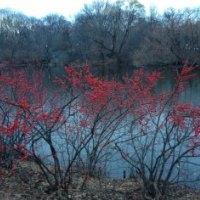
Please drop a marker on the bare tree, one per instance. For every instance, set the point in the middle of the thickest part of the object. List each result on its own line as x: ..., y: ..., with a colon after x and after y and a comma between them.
x: 110, y: 27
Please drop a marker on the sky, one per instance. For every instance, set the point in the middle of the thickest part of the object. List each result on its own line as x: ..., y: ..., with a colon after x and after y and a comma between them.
x: 40, y: 8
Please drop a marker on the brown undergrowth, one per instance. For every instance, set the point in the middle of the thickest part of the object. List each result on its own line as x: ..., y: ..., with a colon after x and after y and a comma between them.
x: 27, y: 183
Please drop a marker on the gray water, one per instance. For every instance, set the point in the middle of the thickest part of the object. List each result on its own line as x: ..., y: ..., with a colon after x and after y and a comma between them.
x: 116, y: 166
x: 190, y: 170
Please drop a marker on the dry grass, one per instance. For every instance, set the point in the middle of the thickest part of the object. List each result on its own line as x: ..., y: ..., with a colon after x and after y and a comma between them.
x: 27, y: 183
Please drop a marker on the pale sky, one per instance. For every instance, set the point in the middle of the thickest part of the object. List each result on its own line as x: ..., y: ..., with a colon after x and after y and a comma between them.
x: 40, y: 8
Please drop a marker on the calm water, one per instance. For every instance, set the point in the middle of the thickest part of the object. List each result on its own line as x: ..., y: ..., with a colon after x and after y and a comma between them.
x: 190, y: 171
x: 116, y: 166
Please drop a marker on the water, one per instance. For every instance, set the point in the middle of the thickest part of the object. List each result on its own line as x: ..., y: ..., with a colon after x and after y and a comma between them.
x: 188, y: 170
x: 115, y: 165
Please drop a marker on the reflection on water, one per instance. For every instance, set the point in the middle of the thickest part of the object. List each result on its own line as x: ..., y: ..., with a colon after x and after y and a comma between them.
x: 192, y: 92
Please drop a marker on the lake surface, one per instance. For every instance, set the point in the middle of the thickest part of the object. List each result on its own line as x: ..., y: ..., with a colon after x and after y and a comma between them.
x: 116, y: 166
x: 190, y: 170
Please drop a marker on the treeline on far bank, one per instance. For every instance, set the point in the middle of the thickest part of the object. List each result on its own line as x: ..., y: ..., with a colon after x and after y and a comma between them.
x: 113, y: 38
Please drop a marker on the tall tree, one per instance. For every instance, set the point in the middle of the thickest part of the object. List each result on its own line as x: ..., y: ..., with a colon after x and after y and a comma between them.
x: 109, y: 27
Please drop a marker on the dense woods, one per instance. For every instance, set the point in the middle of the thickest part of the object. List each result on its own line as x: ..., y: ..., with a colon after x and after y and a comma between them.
x: 112, y: 38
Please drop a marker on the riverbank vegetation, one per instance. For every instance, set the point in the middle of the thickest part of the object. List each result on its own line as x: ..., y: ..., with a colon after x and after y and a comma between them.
x: 76, y: 95
x: 84, y: 119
